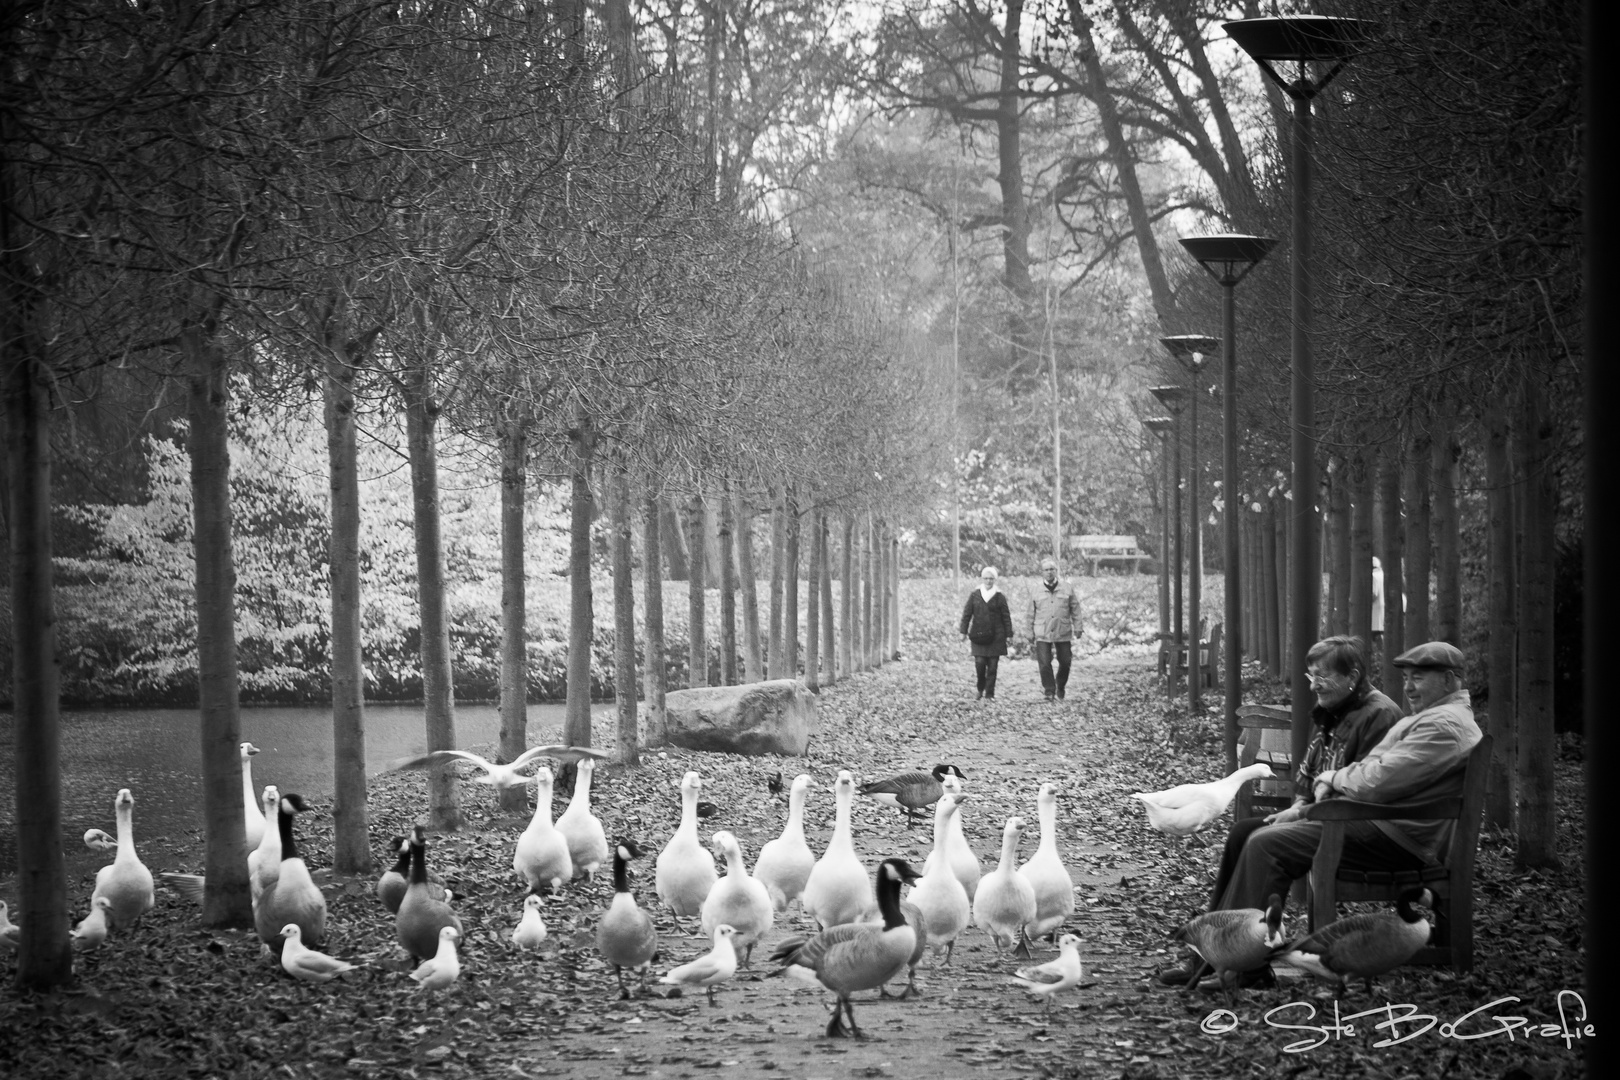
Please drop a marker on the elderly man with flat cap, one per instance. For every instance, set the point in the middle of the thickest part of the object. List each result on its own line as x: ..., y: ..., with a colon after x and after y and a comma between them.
x: 1422, y: 756
x: 1053, y: 622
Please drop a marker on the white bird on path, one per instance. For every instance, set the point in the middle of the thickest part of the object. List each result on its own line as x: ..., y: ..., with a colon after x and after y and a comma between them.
x: 444, y: 967
x: 1054, y: 976
x: 712, y: 968
x: 531, y: 929
x: 90, y: 933
x: 306, y: 964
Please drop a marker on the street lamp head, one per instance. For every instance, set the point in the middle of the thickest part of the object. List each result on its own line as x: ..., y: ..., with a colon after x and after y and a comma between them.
x: 1300, y: 39
x: 1171, y: 397
x: 1228, y: 256
x: 1159, y: 425
x: 1191, y: 349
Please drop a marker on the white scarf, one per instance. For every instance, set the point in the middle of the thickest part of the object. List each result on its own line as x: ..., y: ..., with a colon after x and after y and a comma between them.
x: 987, y: 593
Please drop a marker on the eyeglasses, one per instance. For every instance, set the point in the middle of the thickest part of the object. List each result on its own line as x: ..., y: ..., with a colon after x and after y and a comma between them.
x: 1317, y: 678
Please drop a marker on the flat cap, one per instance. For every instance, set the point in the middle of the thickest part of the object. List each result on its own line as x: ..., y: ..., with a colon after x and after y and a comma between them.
x: 1432, y: 654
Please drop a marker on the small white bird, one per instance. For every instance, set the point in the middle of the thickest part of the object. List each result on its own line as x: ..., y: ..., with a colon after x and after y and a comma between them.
x: 500, y: 776
x: 1005, y: 902
x: 712, y: 968
x: 306, y: 964
x: 531, y: 929
x: 1187, y: 808
x: 98, y: 840
x: 1054, y: 976
x: 90, y: 933
x: 444, y: 967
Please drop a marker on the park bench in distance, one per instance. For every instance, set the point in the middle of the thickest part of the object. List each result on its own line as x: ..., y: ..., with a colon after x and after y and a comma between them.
x: 1097, y: 550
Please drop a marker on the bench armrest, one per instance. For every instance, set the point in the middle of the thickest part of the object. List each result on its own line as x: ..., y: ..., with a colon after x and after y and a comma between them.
x: 1352, y: 810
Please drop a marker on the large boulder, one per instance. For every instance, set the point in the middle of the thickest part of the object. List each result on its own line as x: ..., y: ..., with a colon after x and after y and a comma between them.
x: 774, y: 717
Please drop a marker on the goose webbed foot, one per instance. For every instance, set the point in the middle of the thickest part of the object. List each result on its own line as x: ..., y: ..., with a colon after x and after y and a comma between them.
x: 1022, y: 949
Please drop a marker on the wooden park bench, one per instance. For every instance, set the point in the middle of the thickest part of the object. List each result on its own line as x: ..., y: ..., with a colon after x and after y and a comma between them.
x: 1209, y: 658
x: 1097, y: 550
x: 1265, y: 734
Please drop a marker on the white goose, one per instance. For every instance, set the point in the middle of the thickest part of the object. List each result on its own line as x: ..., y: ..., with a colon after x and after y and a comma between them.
x: 784, y: 864
x: 444, y: 967
x: 1005, y: 902
x: 306, y: 964
x: 90, y: 933
x: 625, y: 934
x: 958, y: 853
x: 587, y: 841
x: 737, y: 900
x: 1055, y: 976
x: 858, y: 956
x: 684, y: 872
x: 712, y: 968
x: 940, y: 896
x: 125, y: 881
x: 542, y: 852
x: 293, y: 897
x: 252, y: 816
x: 1054, y: 889
x: 1187, y: 808
x: 838, y: 890
x: 531, y: 928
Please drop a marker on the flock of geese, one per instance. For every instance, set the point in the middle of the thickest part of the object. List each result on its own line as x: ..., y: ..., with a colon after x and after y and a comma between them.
x: 865, y: 937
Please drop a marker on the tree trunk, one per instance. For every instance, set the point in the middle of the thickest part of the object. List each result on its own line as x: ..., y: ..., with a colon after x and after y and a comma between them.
x: 775, y: 653
x: 846, y: 601
x: 1339, y: 546
x: 790, y: 587
x: 894, y: 602
x: 728, y: 588
x: 1361, y: 548
x: 753, y: 659
x: 438, y: 688
x: 624, y: 622
x: 514, y: 440
x: 655, y: 677
x: 1271, y: 572
x: 711, y: 539
x: 868, y: 638
x: 1537, y: 744
x: 674, y: 542
x: 351, y: 827
x: 1447, y: 537
x: 824, y: 541
x: 581, y: 618
x: 226, y: 901
x: 1418, y: 552
x: 697, y: 641
x: 1023, y: 361
x: 1289, y: 649
x: 44, y: 955
x: 812, y: 613
x: 1503, y: 616
x: 1389, y: 493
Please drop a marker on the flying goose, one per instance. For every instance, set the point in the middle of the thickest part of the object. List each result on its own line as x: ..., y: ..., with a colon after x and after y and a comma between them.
x: 498, y: 775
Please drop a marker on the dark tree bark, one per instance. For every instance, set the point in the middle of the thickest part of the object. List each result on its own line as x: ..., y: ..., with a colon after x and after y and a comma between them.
x: 753, y: 658
x: 1502, y: 666
x: 1418, y: 552
x: 697, y: 654
x: 1537, y: 743
x: 1361, y: 548
x: 728, y: 589
x: 514, y: 441
x: 226, y: 899
x: 1394, y: 557
x: 1447, y: 612
x: 438, y: 687
x: 828, y: 629
x: 846, y: 602
x: 812, y: 614
x: 1338, y: 547
x: 674, y: 541
x: 790, y: 586
x: 581, y: 618
x: 655, y: 678
x: 624, y: 623
x: 776, y: 651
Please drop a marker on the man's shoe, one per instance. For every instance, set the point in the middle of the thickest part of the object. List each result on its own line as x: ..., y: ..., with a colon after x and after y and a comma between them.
x: 1179, y: 976
x: 1060, y: 695
x: 1260, y: 978
x: 1048, y: 699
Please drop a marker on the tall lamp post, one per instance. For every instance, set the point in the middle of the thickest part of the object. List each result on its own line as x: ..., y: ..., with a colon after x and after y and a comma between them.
x: 1172, y: 398
x: 1229, y: 258
x: 1192, y: 350
x: 1160, y: 426
x: 1302, y: 40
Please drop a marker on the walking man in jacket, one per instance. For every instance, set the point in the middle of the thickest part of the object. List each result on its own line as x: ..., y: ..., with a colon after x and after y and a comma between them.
x: 1054, y: 623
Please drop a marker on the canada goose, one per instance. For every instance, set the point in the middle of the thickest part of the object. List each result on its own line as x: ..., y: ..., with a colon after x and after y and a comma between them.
x: 737, y: 900
x: 444, y: 967
x: 1053, y: 977
x: 1187, y: 808
x: 940, y: 896
x: 392, y: 884
x: 919, y: 926
x: 1005, y: 902
x: 911, y: 791
x: 959, y: 853
x: 858, y: 956
x: 1234, y: 940
x: 91, y: 932
x: 1364, y: 946
x: 587, y: 842
x: 1054, y: 889
x: 304, y: 963
x: 542, y: 852
x: 712, y: 968
x: 784, y: 864
x: 125, y: 881
x: 252, y: 816
x: 263, y: 858
x: 838, y: 890
x: 500, y: 776
x: 531, y: 929
x: 423, y: 913
x: 684, y: 872
x: 625, y: 934
x: 10, y: 932
x: 293, y: 897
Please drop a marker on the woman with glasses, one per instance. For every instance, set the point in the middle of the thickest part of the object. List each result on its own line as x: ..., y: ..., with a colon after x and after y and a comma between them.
x: 987, y: 625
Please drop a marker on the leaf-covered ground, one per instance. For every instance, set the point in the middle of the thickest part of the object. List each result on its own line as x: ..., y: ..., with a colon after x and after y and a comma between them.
x: 171, y: 999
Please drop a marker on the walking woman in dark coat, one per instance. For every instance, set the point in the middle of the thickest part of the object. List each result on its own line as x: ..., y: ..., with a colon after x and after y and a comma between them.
x: 987, y: 625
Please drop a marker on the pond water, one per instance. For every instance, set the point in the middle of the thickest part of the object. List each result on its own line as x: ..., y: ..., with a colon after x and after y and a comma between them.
x: 156, y: 754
